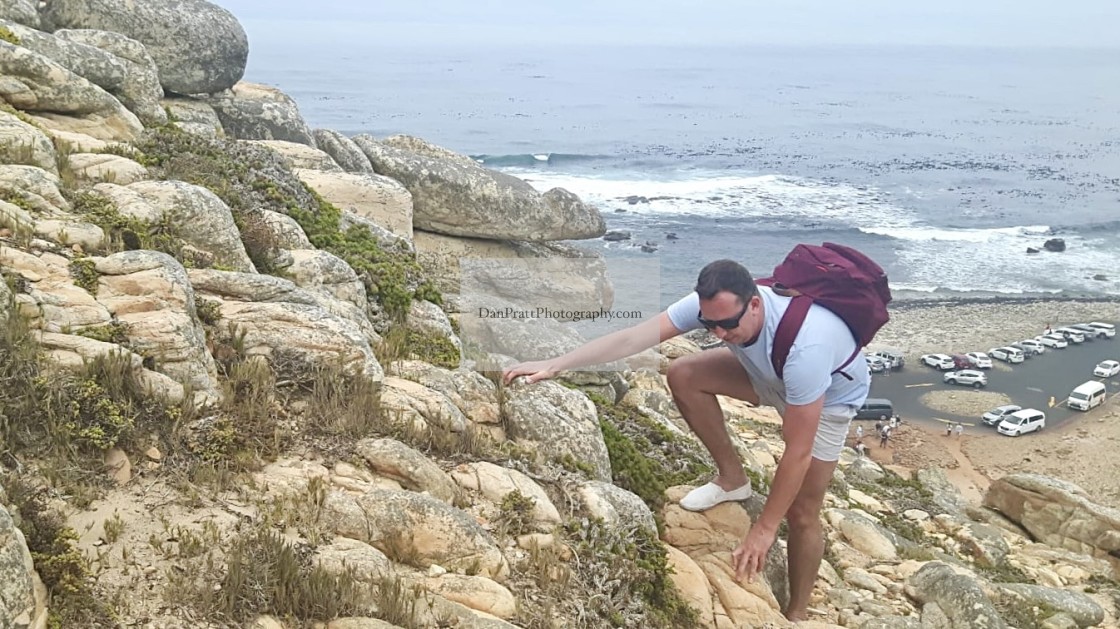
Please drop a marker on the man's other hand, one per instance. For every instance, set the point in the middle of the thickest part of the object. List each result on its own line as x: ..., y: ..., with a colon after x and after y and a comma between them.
x: 750, y: 557
x: 534, y: 371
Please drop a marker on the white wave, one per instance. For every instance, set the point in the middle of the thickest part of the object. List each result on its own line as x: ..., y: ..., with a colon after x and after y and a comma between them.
x: 738, y: 196
x: 949, y: 234
x: 542, y: 157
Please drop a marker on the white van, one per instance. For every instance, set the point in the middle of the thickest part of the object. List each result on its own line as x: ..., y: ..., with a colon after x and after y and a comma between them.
x: 1087, y: 395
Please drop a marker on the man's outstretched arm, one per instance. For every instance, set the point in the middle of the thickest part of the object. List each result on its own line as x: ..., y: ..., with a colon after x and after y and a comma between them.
x: 616, y: 345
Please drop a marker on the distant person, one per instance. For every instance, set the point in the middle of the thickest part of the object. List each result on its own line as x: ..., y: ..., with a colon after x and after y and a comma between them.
x: 894, y: 422
x: 960, y: 430
x: 879, y: 426
x: 884, y: 436
x: 1048, y: 329
x: 861, y: 449
x: 948, y: 430
x: 859, y: 433
x: 817, y: 395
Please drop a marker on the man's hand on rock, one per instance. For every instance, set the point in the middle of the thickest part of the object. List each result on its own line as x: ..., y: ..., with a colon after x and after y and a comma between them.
x: 749, y: 558
x: 533, y: 371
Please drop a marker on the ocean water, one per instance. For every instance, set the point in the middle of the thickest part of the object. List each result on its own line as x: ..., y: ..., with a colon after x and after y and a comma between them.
x: 943, y: 164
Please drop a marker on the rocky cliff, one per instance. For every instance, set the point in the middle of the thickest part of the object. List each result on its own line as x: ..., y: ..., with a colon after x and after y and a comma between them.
x: 232, y: 391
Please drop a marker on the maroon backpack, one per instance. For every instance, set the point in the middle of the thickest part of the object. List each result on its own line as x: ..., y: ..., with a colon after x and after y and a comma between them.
x: 837, y: 277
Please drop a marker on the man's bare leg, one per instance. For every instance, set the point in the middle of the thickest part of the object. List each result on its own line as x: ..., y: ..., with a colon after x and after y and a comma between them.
x: 806, y: 537
x: 695, y: 381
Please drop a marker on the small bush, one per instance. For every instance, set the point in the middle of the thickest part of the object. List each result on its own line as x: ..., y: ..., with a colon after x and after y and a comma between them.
x: 264, y: 574
x: 85, y: 275
x: 112, y: 332
x: 515, y: 513
x: 209, y: 311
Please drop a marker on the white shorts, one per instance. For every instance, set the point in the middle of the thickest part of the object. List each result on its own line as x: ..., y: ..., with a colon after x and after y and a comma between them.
x: 832, y: 431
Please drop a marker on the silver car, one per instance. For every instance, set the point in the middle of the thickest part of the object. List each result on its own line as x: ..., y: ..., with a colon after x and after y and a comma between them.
x: 998, y: 414
x: 967, y: 377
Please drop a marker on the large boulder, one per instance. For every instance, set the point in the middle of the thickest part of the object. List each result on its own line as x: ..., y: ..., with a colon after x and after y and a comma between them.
x: 194, y: 215
x: 454, y: 195
x: 416, y: 529
x: 296, y: 155
x: 1080, y: 607
x: 61, y: 98
x: 561, y: 423
x: 21, y: 11
x: 150, y: 293
x: 495, y: 483
x: 373, y: 197
x: 199, y: 47
x: 193, y: 115
x: 959, y: 597
x: 53, y: 303
x: 17, y: 590
x: 345, y: 153
x: 99, y: 67
x: 250, y: 111
x: 139, y: 90
x: 1058, y: 513
x: 255, y: 287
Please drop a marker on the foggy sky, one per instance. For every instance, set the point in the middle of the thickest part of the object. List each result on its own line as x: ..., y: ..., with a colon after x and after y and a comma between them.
x: 1088, y: 23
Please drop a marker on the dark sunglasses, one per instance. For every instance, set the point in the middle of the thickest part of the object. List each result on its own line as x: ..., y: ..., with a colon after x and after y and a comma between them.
x: 726, y: 324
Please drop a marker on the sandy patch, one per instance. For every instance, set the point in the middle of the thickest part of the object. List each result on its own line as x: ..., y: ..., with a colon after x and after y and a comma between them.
x: 967, y: 402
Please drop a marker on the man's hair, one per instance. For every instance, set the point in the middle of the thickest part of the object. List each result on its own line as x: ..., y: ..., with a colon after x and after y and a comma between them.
x: 726, y: 275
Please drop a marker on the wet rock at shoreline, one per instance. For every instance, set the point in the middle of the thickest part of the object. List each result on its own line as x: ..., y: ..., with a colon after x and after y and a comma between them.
x: 616, y: 235
x: 1057, y: 245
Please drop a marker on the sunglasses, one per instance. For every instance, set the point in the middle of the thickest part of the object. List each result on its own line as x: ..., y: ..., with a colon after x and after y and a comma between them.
x: 726, y: 324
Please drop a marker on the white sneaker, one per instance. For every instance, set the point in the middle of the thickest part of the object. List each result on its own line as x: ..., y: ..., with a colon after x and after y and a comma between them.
x: 707, y: 496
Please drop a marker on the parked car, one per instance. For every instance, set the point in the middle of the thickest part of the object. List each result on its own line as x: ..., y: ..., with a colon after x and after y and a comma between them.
x: 938, y: 361
x: 980, y: 360
x: 1030, y: 347
x: 1071, y: 335
x: 1007, y: 354
x: 876, y: 364
x: 967, y: 377
x: 1089, y: 331
x: 1106, y: 369
x: 1087, y: 395
x: 1053, y: 341
x: 875, y: 408
x: 1109, y: 329
x: 1022, y: 422
x: 998, y: 414
x: 960, y: 361
x: 895, y: 359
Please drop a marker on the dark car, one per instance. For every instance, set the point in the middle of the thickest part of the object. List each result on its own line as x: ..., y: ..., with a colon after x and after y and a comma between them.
x: 960, y: 361
x: 876, y: 408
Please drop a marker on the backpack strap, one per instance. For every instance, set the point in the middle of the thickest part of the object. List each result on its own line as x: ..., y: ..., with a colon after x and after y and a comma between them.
x: 787, y: 331
x: 786, y: 334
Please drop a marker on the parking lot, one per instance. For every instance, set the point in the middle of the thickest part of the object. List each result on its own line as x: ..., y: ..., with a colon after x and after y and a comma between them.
x: 1034, y: 383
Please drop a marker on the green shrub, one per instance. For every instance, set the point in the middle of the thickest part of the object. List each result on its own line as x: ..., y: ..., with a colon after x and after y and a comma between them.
x: 112, y: 332
x: 209, y: 311
x: 647, y: 458
x: 85, y: 275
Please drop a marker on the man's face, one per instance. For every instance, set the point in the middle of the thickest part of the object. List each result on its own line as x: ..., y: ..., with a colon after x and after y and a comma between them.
x: 726, y: 309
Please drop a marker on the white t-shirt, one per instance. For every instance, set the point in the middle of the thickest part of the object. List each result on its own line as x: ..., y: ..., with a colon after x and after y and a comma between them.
x: 823, y: 344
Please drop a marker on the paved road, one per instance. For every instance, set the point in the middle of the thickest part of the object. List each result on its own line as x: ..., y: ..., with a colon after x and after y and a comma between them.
x: 1030, y: 384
